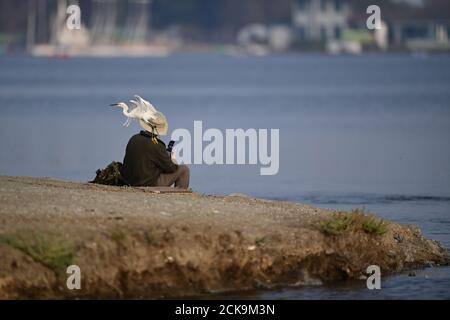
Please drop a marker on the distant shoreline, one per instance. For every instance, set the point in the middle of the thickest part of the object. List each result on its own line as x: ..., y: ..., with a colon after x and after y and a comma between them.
x: 130, y: 243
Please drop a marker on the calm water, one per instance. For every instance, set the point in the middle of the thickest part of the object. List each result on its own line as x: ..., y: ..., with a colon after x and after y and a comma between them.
x: 369, y: 131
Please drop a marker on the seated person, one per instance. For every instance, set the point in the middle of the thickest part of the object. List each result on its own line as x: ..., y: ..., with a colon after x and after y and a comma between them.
x: 148, y: 163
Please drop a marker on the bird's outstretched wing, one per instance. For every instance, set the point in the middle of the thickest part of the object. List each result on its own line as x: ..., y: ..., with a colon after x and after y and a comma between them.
x: 144, y: 106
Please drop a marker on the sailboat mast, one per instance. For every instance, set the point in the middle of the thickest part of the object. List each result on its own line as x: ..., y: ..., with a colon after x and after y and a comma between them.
x: 31, y: 25
x: 42, y: 21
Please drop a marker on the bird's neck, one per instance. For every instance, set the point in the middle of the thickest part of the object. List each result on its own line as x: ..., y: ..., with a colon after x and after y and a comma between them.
x: 125, y: 110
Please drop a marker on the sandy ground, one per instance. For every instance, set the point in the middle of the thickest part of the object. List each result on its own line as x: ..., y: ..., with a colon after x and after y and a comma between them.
x: 130, y: 243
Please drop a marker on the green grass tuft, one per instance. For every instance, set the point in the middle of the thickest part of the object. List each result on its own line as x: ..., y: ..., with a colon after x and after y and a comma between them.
x: 260, y: 241
x: 150, y: 237
x: 336, y: 225
x: 118, y: 235
x: 355, y: 221
x: 49, y: 251
x: 374, y: 226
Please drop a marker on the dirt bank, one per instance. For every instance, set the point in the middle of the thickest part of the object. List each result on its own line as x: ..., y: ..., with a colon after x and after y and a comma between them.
x: 130, y: 243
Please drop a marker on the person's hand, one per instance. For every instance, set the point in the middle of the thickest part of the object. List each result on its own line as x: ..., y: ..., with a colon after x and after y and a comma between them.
x: 173, y: 157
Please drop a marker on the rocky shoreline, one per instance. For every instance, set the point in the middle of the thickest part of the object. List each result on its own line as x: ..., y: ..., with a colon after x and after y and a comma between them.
x: 131, y: 243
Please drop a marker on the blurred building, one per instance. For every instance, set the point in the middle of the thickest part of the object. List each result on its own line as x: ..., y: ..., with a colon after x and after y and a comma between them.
x: 411, y: 25
x: 258, y: 39
x: 423, y: 29
x: 340, y: 25
x: 320, y: 20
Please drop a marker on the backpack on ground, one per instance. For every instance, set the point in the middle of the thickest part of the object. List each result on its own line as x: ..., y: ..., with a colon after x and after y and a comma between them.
x: 111, y: 175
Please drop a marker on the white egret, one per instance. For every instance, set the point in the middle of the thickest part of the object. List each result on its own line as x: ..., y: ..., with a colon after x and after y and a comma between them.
x: 149, y: 118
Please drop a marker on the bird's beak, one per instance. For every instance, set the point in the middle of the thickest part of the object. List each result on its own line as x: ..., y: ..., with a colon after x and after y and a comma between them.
x: 114, y: 105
